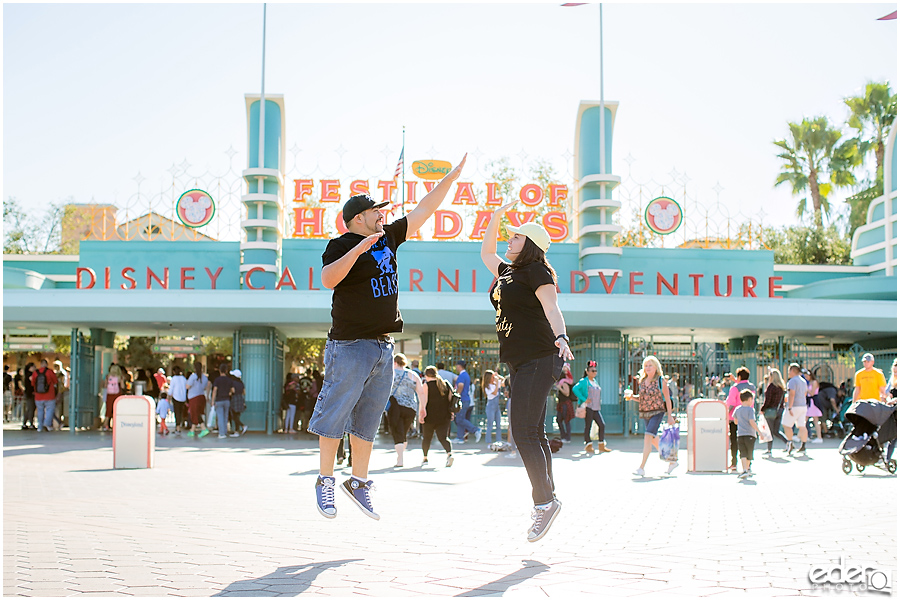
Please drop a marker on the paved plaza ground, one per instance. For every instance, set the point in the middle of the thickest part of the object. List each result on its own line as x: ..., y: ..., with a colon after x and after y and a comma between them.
x: 235, y: 517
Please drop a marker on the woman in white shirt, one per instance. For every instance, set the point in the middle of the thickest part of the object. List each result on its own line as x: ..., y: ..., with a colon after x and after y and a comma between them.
x: 178, y: 396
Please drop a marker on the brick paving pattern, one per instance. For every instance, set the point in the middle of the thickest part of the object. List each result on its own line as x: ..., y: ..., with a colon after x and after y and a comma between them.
x: 235, y: 517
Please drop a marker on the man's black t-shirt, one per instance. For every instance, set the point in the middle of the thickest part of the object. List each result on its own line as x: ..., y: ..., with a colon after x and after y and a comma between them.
x: 522, y: 327
x: 223, y: 384
x: 364, y: 304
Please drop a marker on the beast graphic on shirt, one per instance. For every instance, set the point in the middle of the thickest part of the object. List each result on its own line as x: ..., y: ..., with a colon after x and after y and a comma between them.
x: 386, y: 284
x: 383, y: 258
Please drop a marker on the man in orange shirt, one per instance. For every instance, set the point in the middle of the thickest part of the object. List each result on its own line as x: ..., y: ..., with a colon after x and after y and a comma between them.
x: 869, y: 382
x: 44, y: 382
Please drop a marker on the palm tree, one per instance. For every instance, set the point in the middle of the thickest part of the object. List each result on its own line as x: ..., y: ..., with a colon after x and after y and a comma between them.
x: 814, y: 161
x: 871, y: 115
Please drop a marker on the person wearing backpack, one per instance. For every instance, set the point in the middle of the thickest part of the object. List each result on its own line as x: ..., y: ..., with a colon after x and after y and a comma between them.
x: 653, y: 403
x: 434, y: 413
x: 44, y: 382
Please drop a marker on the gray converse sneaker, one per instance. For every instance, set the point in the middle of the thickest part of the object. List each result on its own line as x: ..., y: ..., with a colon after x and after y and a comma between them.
x: 543, y: 519
x: 359, y: 493
x: 325, y: 497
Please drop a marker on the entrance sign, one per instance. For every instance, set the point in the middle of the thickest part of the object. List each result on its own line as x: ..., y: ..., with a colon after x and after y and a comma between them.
x: 431, y: 169
x: 663, y: 215
x: 195, y: 208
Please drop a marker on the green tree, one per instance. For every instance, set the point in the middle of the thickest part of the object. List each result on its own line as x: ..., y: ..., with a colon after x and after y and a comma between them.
x: 815, y: 162
x: 308, y: 351
x: 807, y: 245
x: 871, y: 117
x: 30, y: 234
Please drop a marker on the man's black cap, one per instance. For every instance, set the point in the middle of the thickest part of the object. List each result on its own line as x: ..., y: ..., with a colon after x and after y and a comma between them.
x: 359, y: 203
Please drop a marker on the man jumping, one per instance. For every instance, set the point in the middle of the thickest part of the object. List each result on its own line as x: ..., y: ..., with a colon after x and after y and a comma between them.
x: 361, y: 268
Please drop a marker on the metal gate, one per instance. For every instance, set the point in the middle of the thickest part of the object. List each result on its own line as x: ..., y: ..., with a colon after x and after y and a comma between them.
x: 480, y: 355
x: 83, y: 398
x: 828, y: 363
x: 261, y: 356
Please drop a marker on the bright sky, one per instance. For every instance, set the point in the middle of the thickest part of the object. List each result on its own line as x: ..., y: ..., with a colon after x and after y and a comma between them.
x: 94, y: 94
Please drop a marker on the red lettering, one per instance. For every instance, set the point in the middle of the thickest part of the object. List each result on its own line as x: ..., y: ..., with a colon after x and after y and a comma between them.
x: 288, y: 280
x: 331, y: 190
x: 749, y: 284
x: 387, y: 188
x: 557, y: 225
x: 429, y: 185
x: 249, y: 274
x: 482, y: 218
x: 359, y: 186
x: 716, y: 285
x: 465, y: 192
x: 557, y: 194
x: 106, y: 278
x: 411, y: 192
x: 612, y: 284
x: 661, y: 281
x: 441, y: 231
x: 164, y: 282
x: 127, y: 277
x: 520, y: 218
x: 185, y: 277
x: 309, y: 217
x: 302, y: 189
x: 584, y: 278
x: 312, y: 288
x: 474, y: 279
x: 415, y: 278
x: 633, y: 282
x: 81, y: 270
x: 454, y: 284
x: 213, y: 277
x: 340, y: 225
x: 531, y: 195
x: 492, y: 198
x: 696, y: 277
x: 774, y: 286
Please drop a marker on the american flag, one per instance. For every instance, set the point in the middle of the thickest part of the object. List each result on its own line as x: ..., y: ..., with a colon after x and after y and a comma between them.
x: 397, y: 200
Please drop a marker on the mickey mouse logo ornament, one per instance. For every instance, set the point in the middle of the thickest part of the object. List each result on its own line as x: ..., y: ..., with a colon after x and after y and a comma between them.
x: 195, y: 208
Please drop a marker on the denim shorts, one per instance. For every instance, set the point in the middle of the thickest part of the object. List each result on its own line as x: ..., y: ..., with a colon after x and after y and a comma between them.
x: 651, y: 425
x: 358, y: 378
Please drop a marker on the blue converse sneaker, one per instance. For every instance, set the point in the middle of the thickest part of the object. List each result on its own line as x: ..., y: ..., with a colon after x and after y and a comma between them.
x: 359, y: 493
x: 543, y: 519
x: 325, y: 497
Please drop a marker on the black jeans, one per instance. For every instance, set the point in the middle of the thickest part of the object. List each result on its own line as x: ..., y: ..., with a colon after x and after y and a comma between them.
x: 594, y: 416
x: 530, y: 384
x: 237, y: 424
x: 30, y: 408
x: 732, y: 436
x: 775, y: 428
x: 441, y: 430
x: 180, y: 410
x: 565, y: 427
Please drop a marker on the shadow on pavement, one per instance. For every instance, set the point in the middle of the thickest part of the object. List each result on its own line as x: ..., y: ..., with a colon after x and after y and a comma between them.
x: 292, y: 580
x: 529, y: 569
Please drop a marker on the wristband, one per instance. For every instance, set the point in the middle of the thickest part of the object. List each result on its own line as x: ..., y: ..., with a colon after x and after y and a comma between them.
x: 563, y: 336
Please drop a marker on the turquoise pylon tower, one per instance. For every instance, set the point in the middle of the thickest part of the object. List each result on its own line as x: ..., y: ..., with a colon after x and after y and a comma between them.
x: 264, y: 200
x: 595, y: 207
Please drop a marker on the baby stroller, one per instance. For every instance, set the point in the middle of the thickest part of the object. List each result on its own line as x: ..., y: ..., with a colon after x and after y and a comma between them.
x: 874, y: 425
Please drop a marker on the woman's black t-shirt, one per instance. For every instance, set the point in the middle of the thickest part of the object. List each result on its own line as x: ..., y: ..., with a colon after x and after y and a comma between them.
x: 522, y: 327
x: 364, y: 303
x: 438, y: 408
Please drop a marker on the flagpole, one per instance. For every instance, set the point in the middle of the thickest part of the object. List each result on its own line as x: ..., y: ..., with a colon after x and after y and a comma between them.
x: 403, y: 174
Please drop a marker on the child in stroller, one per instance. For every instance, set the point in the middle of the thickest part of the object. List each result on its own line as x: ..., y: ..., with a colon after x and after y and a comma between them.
x: 874, y: 427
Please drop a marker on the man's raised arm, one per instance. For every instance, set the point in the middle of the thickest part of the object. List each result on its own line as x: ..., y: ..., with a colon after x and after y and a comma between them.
x: 430, y: 203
